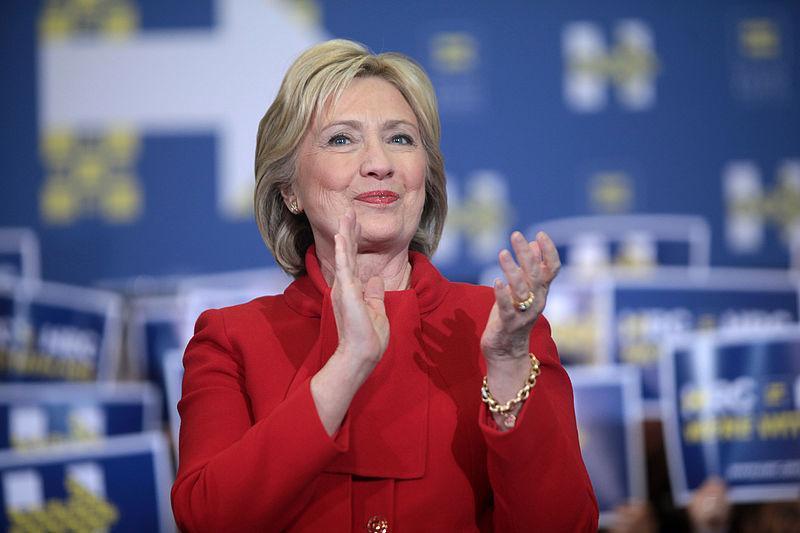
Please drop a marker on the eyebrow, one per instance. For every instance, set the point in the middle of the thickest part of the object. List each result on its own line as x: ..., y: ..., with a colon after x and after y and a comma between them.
x: 355, y: 124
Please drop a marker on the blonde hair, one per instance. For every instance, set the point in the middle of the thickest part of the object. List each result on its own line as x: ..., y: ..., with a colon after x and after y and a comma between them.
x: 317, y: 77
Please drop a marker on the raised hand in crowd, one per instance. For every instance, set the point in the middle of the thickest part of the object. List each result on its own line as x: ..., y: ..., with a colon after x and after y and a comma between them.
x: 634, y: 517
x: 709, y: 509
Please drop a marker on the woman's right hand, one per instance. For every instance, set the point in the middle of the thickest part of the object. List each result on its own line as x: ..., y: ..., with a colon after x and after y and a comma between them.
x: 359, y: 310
x: 363, y: 330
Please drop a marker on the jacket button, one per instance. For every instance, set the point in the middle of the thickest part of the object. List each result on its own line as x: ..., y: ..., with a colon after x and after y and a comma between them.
x: 378, y: 524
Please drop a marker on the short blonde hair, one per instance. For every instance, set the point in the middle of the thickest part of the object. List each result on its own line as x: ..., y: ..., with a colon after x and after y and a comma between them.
x: 318, y: 76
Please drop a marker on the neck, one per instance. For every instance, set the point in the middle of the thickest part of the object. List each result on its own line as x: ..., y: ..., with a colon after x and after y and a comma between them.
x: 393, y: 268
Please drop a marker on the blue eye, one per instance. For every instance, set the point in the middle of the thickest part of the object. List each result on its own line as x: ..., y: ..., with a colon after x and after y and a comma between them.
x: 339, y: 139
x: 402, y: 138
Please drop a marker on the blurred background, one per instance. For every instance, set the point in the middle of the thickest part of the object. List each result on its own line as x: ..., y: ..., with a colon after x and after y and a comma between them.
x: 657, y: 143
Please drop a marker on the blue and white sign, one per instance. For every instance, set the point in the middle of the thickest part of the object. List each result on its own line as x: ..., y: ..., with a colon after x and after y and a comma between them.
x: 119, y: 484
x: 58, y: 332
x: 153, y: 329
x: 608, y: 409
x: 647, y: 312
x: 173, y: 381
x: 33, y: 416
x: 19, y: 253
x: 578, y: 311
x: 731, y: 408
x: 592, y: 244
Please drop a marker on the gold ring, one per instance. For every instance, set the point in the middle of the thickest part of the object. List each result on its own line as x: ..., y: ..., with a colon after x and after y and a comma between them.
x: 525, y: 304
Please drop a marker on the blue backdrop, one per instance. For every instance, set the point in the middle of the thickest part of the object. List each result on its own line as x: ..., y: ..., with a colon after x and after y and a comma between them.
x: 128, y: 126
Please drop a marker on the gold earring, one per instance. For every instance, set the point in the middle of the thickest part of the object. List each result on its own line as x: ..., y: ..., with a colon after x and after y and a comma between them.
x: 294, y: 208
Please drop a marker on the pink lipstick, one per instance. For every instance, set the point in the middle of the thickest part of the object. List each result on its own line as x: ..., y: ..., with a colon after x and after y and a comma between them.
x: 378, y: 197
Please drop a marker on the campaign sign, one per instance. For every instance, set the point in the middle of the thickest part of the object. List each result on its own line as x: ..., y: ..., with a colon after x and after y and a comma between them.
x: 19, y: 253
x: 6, y: 320
x: 173, y: 381
x: 577, y: 311
x: 648, y: 311
x: 38, y: 415
x: 59, y: 332
x: 608, y: 409
x: 153, y: 330
x: 592, y: 244
x: 118, y: 484
x: 731, y: 408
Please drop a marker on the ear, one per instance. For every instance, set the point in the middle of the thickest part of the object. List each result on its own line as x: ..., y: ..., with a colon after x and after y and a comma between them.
x: 291, y: 200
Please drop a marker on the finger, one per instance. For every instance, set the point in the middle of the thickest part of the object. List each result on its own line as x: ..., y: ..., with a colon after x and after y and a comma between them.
x: 347, y: 227
x: 536, y: 251
x: 356, y: 236
x: 524, y: 253
x: 505, y: 305
x: 550, y: 257
x: 514, y: 275
x: 374, y: 293
x: 343, y: 272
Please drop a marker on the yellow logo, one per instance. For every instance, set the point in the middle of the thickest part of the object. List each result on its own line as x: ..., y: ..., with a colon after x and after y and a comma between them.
x: 81, y: 511
x: 611, y: 192
x: 623, y: 64
x: 759, y: 38
x: 114, y: 19
x: 454, y: 52
x: 90, y: 176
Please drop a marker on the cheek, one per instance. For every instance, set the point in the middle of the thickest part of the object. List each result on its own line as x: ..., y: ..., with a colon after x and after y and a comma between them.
x: 321, y: 186
x: 417, y: 171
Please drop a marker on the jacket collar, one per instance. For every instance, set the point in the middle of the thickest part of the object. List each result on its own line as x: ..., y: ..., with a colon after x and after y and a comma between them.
x: 306, y: 294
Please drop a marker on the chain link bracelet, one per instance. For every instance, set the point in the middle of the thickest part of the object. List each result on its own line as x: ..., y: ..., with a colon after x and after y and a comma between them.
x: 504, y: 409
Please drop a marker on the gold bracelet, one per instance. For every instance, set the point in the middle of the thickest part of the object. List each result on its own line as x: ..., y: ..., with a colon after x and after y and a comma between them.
x: 504, y: 410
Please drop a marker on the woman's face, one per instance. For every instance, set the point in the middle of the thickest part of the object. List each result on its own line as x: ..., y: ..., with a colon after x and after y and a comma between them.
x: 366, y: 153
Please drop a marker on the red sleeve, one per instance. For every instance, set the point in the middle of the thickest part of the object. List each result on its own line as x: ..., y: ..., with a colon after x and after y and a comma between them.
x: 536, y: 470
x: 236, y: 475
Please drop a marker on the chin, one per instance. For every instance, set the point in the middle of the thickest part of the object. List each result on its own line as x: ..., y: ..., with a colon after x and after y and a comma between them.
x: 374, y: 241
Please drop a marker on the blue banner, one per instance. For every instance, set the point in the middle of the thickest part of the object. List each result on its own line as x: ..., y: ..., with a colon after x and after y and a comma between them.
x: 38, y: 415
x: 96, y: 126
x: 608, y: 409
x: 731, y: 408
x: 120, y: 484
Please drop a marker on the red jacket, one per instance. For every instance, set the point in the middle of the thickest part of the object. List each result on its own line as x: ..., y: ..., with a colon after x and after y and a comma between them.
x: 417, y: 450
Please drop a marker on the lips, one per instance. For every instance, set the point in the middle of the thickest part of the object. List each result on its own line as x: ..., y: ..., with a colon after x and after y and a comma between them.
x: 378, y: 197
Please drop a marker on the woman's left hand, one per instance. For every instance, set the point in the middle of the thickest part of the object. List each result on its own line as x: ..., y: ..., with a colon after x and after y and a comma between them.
x: 507, y: 333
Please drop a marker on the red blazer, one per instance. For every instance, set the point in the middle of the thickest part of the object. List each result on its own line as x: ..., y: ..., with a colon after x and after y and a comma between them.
x: 417, y: 450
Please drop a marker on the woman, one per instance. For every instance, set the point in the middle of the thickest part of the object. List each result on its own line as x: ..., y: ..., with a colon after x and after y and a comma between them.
x: 354, y: 399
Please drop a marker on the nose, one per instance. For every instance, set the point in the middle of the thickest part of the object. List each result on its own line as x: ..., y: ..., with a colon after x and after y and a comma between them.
x: 377, y: 161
